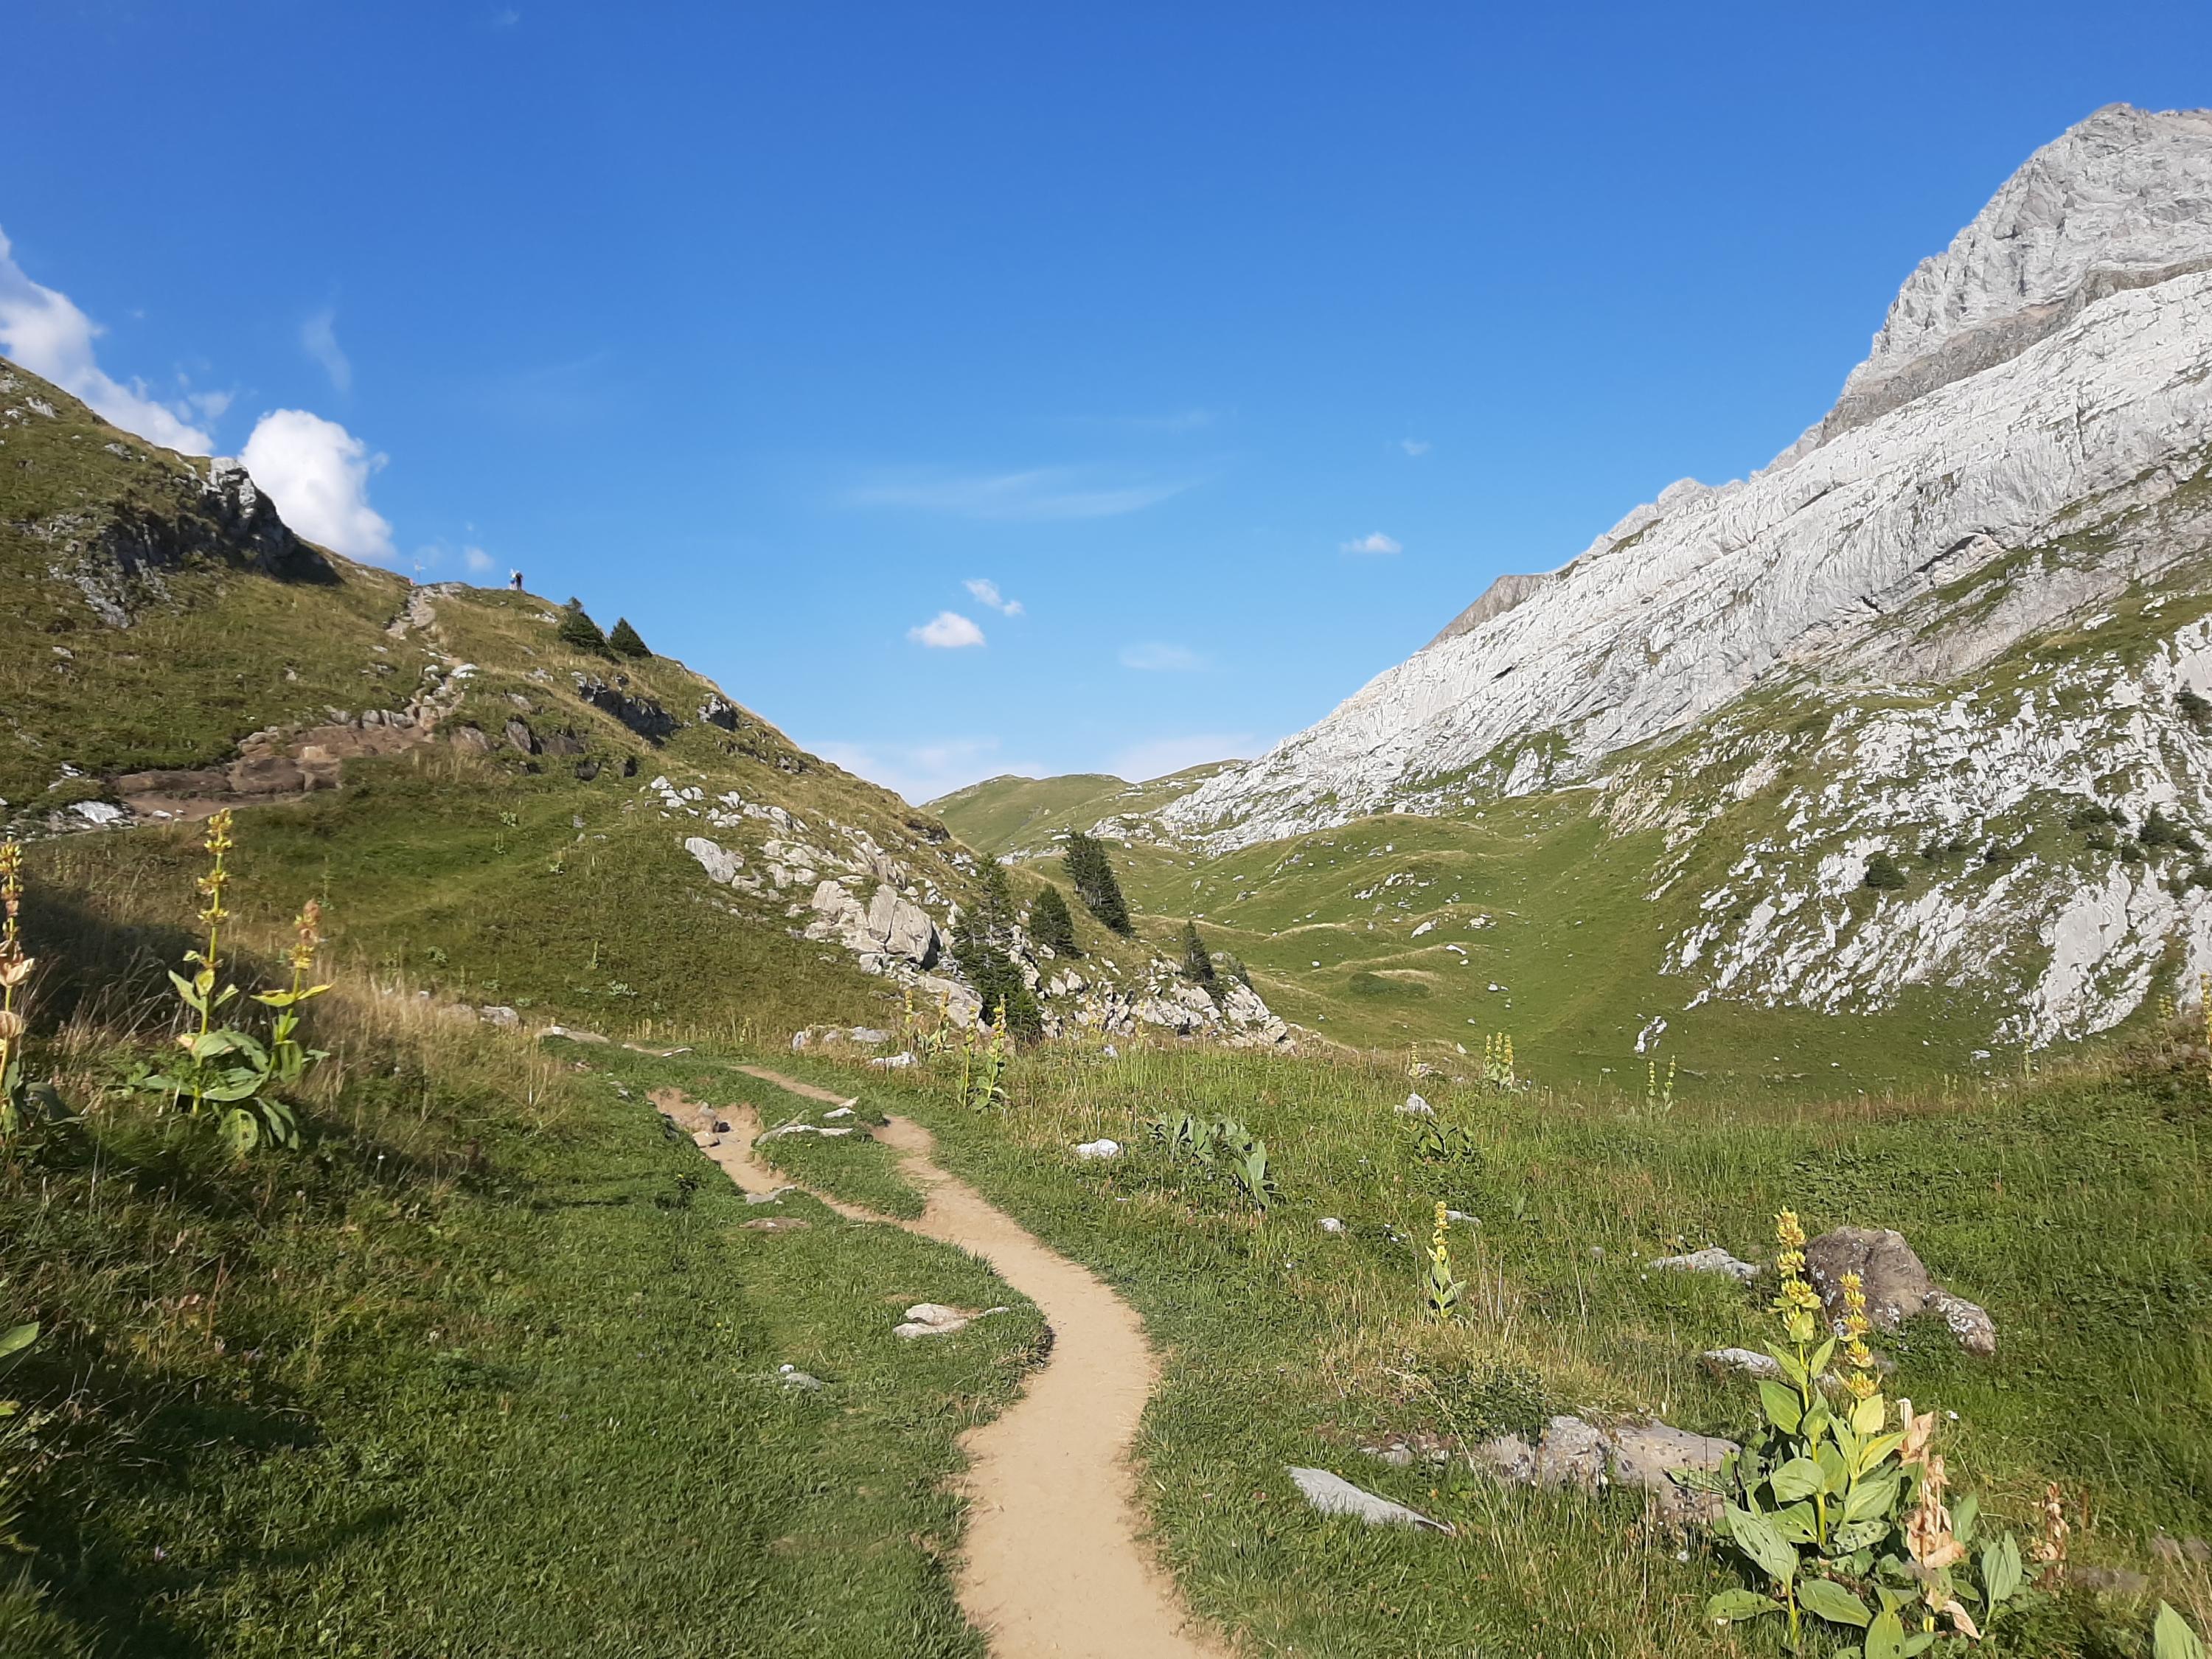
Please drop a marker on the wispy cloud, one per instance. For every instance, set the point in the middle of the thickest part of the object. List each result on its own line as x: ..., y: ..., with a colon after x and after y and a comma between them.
x: 1040, y: 493
x: 986, y: 592
x: 923, y: 771
x: 1158, y: 657
x: 480, y: 563
x: 318, y: 338
x: 948, y: 630
x: 318, y: 473
x: 1415, y: 447
x: 1375, y: 542
x: 1156, y: 757
x: 43, y: 330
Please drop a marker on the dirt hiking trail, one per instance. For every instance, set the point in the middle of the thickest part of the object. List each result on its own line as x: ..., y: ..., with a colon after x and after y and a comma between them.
x: 1053, y: 1568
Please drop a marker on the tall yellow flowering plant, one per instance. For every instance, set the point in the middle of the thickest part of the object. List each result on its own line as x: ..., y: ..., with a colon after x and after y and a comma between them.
x: 220, y: 1070
x: 1844, y: 1518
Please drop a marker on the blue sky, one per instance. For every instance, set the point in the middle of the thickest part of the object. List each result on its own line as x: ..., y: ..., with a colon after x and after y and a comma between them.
x: 1232, y: 349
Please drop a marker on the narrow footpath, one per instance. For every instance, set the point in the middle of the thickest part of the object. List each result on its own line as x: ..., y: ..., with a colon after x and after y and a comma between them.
x: 1052, y: 1567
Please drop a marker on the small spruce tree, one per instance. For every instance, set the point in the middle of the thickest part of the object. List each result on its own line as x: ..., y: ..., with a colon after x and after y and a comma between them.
x: 1092, y: 874
x: 624, y: 639
x: 980, y: 941
x: 579, y: 631
x: 1197, y: 961
x: 1050, y: 924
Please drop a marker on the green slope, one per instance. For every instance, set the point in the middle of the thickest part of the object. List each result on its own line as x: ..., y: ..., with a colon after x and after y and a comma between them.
x: 1011, y: 815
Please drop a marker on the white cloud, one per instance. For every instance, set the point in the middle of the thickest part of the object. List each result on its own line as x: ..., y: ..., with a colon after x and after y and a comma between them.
x: 1414, y: 446
x: 480, y: 563
x: 1377, y: 542
x: 948, y: 630
x: 1157, y: 756
x: 923, y: 771
x: 317, y: 472
x: 319, y: 339
x: 1045, y: 492
x: 44, y: 330
x: 986, y: 592
x: 1158, y: 657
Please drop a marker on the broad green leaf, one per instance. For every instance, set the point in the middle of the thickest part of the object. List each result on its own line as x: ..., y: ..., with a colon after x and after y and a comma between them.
x: 1867, y: 1416
x: 2001, y: 1569
x: 1870, y: 1497
x: 16, y: 1340
x: 185, y: 992
x: 1801, y: 1477
x: 1817, y: 1364
x: 1918, y: 1642
x: 1783, y: 1408
x: 2172, y: 1639
x: 1790, y: 1367
x: 1878, y: 1449
x: 1885, y: 1637
x: 1835, y: 1467
x: 1733, y: 1604
x: 1964, y: 1514
x: 1754, y: 1534
x: 1832, y: 1601
x: 1817, y: 1419
x: 1798, y: 1522
x: 239, y: 1132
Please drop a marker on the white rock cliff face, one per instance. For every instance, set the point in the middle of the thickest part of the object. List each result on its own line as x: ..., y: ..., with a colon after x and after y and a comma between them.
x: 2024, y: 460
x: 2058, y: 355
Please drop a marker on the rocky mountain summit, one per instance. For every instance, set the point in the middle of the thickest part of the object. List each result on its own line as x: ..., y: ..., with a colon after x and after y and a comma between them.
x: 1964, y: 607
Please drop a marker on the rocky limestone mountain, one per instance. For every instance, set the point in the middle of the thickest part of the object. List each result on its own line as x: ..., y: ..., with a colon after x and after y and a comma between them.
x: 1967, y: 604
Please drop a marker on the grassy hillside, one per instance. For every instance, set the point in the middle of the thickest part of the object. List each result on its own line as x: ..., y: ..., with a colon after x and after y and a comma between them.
x: 1011, y: 815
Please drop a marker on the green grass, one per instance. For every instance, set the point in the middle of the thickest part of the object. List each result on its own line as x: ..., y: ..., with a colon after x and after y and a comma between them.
x: 490, y: 1368
x: 1008, y: 815
x: 1287, y: 1346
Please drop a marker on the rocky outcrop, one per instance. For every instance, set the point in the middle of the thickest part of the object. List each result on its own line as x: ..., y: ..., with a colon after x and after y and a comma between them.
x: 890, y: 927
x: 1897, y: 1284
x: 640, y: 715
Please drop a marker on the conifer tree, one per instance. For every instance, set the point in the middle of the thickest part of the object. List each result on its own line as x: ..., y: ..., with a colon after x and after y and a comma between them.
x: 624, y: 639
x: 1092, y: 873
x: 1050, y: 924
x: 1197, y: 961
x: 980, y: 941
x: 579, y: 631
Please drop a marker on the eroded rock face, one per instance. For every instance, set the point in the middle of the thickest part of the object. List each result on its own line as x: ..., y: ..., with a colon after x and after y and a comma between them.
x: 640, y: 715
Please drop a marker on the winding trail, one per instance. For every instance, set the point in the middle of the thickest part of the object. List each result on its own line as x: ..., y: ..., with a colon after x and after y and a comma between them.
x: 1052, y: 1567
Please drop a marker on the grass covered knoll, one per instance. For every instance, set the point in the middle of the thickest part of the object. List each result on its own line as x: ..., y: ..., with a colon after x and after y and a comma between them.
x: 1012, y: 815
x: 2078, y: 1208
x: 489, y: 1366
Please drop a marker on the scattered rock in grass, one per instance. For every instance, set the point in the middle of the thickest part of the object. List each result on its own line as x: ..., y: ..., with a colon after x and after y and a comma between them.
x: 838, y: 1111
x: 937, y: 1319
x: 1760, y: 1365
x: 1710, y: 1259
x: 1111, y: 1052
x: 572, y: 1034
x: 774, y: 1197
x: 774, y: 1223
x: 1331, y: 1494
x: 793, y: 1377
x: 493, y: 1013
x: 1099, y: 1148
x: 1642, y: 1455
x: 1329, y: 1224
x: 1421, y: 1067
x: 893, y: 1062
x: 2120, y: 1581
x: 1416, y: 1107
x: 1462, y: 1215
x: 1897, y: 1285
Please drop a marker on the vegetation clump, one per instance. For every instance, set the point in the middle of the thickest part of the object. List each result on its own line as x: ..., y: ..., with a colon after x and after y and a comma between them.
x: 1092, y: 873
x: 1051, y: 926
x: 577, y: 631
x: 981, y: 945
x: 1883, y: 872
x: 2195, y: 708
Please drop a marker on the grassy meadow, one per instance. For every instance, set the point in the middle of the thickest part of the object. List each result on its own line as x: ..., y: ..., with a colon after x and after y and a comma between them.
x: 2077, y: 1207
